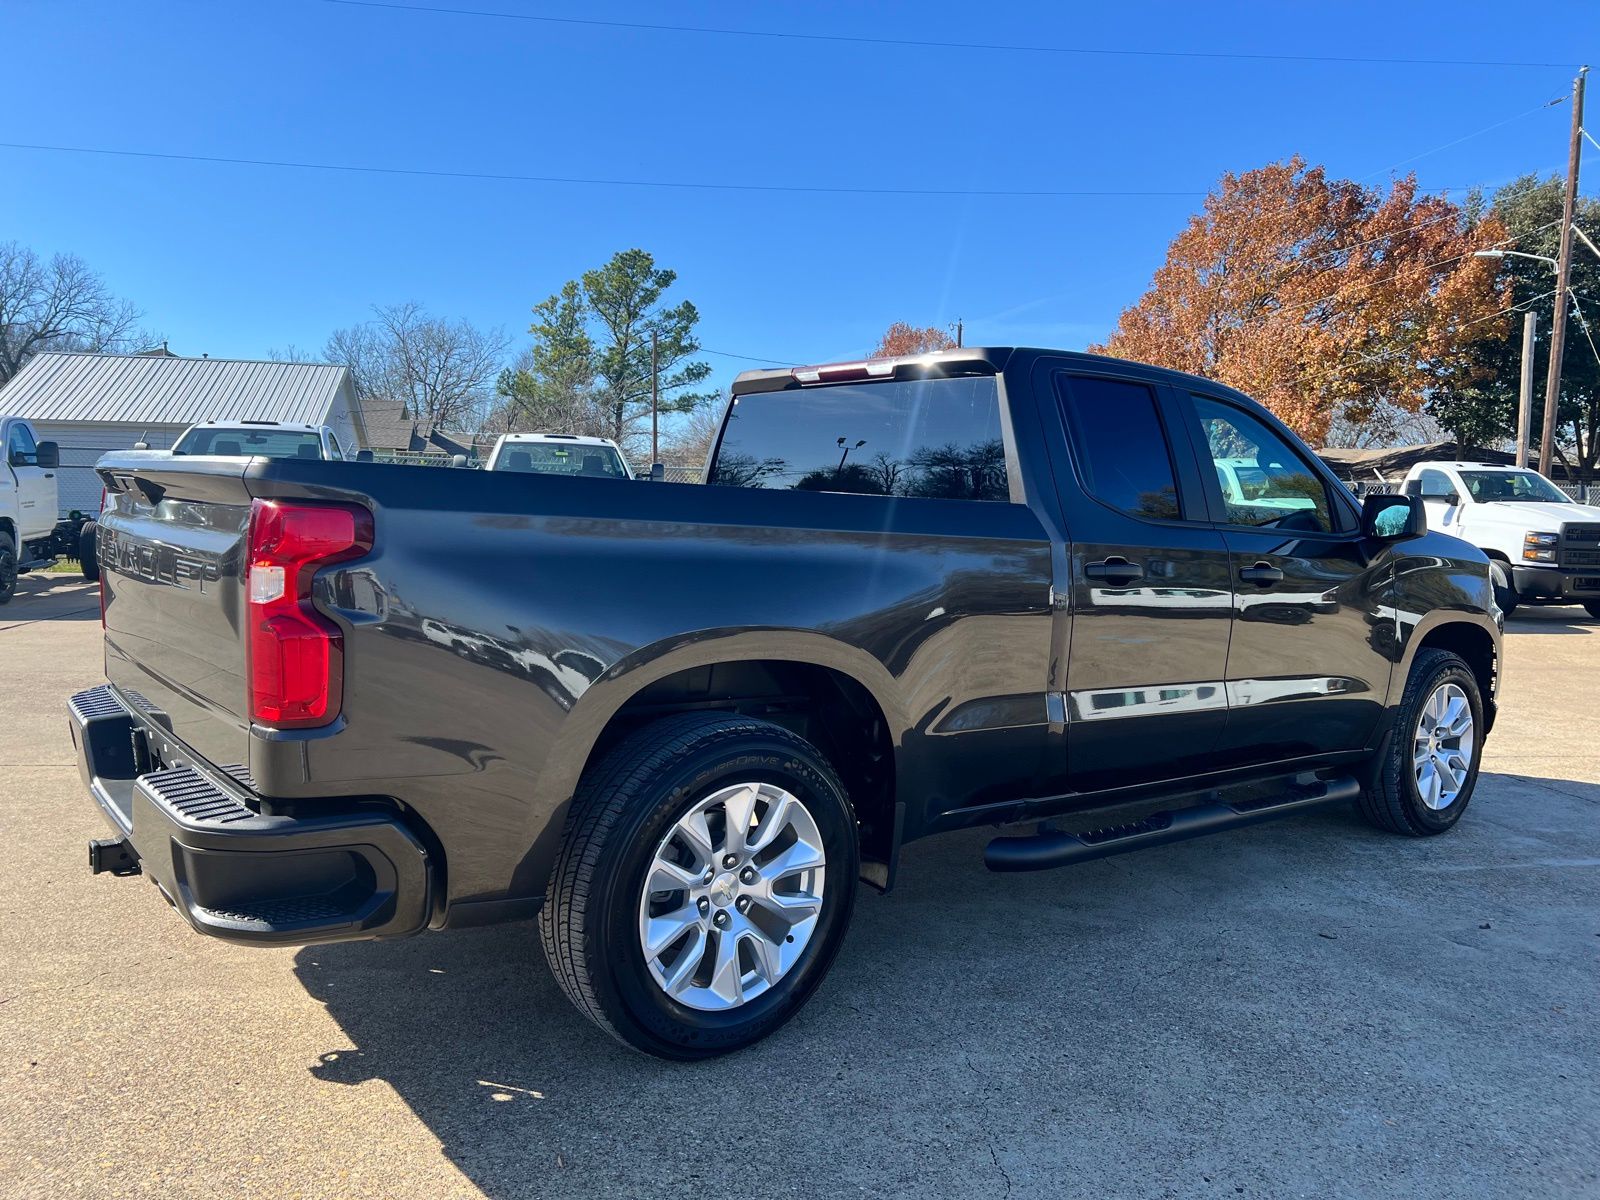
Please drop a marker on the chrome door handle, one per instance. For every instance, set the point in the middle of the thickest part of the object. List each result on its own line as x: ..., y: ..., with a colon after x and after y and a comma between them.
x: 1261, y: 574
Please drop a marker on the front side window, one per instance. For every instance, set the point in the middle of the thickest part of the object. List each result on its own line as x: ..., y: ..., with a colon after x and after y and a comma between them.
x: 20, y: 448
x: 924, y: 438
x: 334, y: 452
x: 1119, y: 445
x: 1435, y: 483
x: 1265, y: 482
x: 1518, y: 486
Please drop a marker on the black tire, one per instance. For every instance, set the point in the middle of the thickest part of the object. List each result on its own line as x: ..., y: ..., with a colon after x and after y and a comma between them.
x: 88, y: 555
x: 1505, y: 592
x: 1392, y: 801
x: 1592, y: 607
x: 8, y: 568
x: 625, y: 805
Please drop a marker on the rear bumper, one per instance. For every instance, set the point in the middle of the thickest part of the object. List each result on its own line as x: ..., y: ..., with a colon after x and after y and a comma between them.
x: 233, y: 872
x: 1556, y: 583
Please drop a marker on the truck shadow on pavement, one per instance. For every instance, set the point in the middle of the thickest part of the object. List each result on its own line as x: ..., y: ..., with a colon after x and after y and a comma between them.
x: 1131, y: 1023
x: 51, y: 597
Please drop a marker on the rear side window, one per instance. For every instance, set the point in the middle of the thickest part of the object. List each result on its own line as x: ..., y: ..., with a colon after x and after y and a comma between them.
x: 930, y: 438
x: 1119, y: 446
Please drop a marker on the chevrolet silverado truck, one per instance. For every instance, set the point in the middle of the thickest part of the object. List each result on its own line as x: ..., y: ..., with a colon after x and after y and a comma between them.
x: 1543, y: 547
x: 994, y: 587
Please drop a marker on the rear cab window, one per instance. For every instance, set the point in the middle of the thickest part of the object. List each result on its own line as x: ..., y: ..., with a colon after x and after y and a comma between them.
x: 251, y: 443
x: 555, y: 458
x: 935, y: 438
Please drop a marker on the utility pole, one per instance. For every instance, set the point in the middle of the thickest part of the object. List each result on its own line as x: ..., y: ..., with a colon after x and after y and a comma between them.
x: 1558, y: 331
x: 655, y: 401
x: 1525, y: 393
x: 959, y: 328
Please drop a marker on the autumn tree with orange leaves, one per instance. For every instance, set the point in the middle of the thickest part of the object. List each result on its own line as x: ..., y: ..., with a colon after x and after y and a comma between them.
x: 901, y: 338
x: 1321, y: 298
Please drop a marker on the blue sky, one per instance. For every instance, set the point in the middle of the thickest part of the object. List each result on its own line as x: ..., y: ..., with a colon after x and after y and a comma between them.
x: 232, y: 260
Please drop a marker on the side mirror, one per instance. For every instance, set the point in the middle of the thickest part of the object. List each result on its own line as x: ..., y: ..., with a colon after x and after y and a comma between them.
x: 658, y: 472
x: 1453, y: 498
x: 141, y: 445
x: 363, y: 455
x: 1393, y: 518
x: 458, y: 460
x: 49, y: 455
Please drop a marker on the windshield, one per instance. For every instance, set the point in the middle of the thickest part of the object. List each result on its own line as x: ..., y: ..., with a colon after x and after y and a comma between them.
x: 251, y: 443
x: 553, y: 458
x: 1512, y: 485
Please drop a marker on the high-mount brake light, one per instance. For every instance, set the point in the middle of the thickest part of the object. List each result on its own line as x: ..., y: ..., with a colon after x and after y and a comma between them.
x: 876, y: 368
x: 296, y: 654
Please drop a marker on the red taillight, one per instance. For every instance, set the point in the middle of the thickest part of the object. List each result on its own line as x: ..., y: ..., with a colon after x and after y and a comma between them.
x: 296, y: 653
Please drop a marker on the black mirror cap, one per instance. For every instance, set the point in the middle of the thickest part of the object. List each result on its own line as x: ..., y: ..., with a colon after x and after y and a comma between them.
x: 1452, y: 498
x: 658, y: 472
x: 1381, y: 524
x: 363, y: 455
x: 49, y: 455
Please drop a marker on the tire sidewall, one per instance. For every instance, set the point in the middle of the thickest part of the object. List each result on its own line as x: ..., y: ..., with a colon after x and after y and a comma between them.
x: 88, y: 552
x: 8, y: 567
x: 626, y: 986
x: 1437, y: 820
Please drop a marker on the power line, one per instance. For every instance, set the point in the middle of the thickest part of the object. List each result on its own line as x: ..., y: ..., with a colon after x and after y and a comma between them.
x: 931, y: 44
x: 691, y: 185
x: 773, y: 362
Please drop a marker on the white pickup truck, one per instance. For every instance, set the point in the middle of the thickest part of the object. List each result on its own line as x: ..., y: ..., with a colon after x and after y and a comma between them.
x: 1543, y: 547
x: 33, y: 532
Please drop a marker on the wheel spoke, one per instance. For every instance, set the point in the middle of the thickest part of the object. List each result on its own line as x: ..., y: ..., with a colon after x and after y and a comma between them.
x: 772, y: 824
x: 725, y: 981
x: 666, y: 876
x: 1428, y: 784
x: 764, y: 954
x: 660, y: 932
x: 798, y: 857
x: 791, y: 907
x: 697, y: 835
x: 688, y: 959
x: 740, y: 807
x: 1457, y: 716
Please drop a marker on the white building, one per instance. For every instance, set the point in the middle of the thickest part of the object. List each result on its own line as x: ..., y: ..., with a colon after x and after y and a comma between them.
x: 89, y: 404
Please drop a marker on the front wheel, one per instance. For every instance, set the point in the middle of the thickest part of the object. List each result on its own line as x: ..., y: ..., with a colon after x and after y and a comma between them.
x: 1425, y: 776
x: 1505, y: 592
x: 1592, y: 607
x: 703, y: 886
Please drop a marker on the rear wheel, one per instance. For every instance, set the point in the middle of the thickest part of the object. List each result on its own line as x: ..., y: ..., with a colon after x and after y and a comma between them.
x: 1426, y: 775
x: 88, y: 558
x: 8, y: 568
x: 703, y: 886
x: 1505, y: 592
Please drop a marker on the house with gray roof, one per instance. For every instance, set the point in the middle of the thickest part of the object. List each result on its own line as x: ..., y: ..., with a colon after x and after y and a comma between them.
x: 89, y: 404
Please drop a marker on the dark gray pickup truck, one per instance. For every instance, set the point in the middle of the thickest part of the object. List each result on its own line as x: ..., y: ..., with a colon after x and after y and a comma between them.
x: 1107, y: 605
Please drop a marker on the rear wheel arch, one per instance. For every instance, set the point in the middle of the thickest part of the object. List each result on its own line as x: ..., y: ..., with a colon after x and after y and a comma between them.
x: 821, y: 702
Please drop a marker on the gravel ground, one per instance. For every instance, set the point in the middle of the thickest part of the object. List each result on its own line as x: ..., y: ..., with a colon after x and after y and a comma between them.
x: 1307, y: 1008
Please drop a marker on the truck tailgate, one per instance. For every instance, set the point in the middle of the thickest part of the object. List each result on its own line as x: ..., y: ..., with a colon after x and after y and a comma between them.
x: 172, y: 553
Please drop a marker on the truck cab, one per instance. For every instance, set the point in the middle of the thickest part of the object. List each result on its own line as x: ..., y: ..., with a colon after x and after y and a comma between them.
x: 33, y: 532
x: 559, y: 454
x: 1543, y: 547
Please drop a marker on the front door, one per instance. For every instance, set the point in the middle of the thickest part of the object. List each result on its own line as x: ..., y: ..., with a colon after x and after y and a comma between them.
x: 36, y: 490
x: 1150, y: 594
x: 1307, y: 670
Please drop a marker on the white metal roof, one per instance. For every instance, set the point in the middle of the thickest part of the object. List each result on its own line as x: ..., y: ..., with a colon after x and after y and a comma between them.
x: 170, y: 391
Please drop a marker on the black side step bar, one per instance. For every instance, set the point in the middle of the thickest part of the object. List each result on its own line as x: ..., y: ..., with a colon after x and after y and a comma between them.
x: 1046, y: 849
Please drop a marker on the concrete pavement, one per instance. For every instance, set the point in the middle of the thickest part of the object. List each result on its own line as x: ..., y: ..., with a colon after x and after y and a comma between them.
x: 1307, y: 1008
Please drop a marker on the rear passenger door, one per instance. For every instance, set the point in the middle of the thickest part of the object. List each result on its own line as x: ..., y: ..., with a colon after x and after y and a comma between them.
x: 1306, y: 670
x: 1150, y: 591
